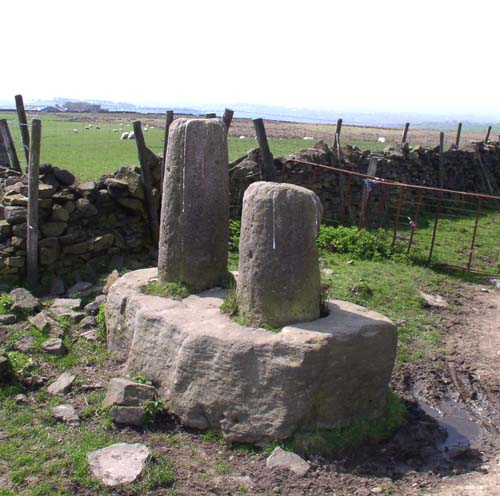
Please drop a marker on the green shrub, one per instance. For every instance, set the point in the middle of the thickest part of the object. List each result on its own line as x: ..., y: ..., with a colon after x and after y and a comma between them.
x: 234, y: 235
x: 359, y: 243
x: 153, y: 408
x: 6, y: 302
x: 230, y: 304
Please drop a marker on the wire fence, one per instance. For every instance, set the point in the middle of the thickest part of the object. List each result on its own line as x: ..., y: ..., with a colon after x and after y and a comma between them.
x: 439, y: 226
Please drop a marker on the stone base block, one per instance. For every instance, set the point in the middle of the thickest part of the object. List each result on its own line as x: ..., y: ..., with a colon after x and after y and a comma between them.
x: 251, y: 384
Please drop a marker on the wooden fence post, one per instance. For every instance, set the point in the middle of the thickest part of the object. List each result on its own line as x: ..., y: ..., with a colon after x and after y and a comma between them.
x: 365, y: 195
x: 227, y: 118
x: 268, y: 171
x: 459, y: 133
x: 23, y: 126
x: 487, y: 138
x: 32, y: 225
x: 144, y: 153
x: 441, y: 159
x: 9, y: 145
x: 405, y: 133
x: 336, y: 141
x: 169, y: 118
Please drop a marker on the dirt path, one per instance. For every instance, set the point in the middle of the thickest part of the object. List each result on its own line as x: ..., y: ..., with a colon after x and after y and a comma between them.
x: 473, y: 344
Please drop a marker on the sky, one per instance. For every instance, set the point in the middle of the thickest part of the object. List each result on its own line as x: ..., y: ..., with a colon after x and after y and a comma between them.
x: 436, y: 56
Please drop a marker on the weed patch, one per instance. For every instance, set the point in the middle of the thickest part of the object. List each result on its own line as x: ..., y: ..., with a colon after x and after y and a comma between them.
x: 177, y: 291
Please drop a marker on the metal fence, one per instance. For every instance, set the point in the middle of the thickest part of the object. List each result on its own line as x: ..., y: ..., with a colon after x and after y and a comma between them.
x: 444, y: 227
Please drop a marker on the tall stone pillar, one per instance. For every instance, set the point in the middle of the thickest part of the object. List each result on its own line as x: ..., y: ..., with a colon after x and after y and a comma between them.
x: 278, y: 277
x: 195, y: 206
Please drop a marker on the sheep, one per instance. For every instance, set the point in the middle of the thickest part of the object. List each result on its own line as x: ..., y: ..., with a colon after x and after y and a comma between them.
x: 124, y: 136
x: 308, y: 138
x: 380, y: 139
x: 75, y: 130
x: 242, y: 137
x: 131, y: 135
x: 98, y: 127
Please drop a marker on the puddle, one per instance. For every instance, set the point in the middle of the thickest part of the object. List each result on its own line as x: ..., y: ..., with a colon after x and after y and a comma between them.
x: 462, y: 432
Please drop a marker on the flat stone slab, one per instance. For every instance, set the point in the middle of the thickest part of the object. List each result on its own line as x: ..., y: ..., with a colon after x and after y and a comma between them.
x: 251, y: 384
x: 119, y: 463
x: 61, y: 385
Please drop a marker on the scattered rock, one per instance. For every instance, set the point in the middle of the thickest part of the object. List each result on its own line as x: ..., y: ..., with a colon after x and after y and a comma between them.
x: 8, y: 319
x: 87, y: 324
x: 65, y: 413
x: 120, y: 463
x: 377, y: 490
x: 90, y: 335
x: 53, y: 229
x: 67, y: 307
x: 61, y: 385
x: 54, y: 346
x: 40, y: 321
x: 93, y: 306
x: 128, y: 415
x: 81, y: 288
x: 21, y: 398
x: 435, y: 301
x: 125, y: 392
x: 24, y: 301
x: 24, y: 344
x: 15, y: 215
x: 63, y: 176
x: 286, y: 459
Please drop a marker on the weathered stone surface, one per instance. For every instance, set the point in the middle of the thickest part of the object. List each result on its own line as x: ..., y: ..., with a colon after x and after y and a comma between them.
x: 125, y: 392
x: 87, y: 323
x: 45, y: 191
x: 86, y: 207
x: 65, y: 413
x: 195, y: 210
x: 5, y: 228
x: 54, y: 346
x: 79, y: 289
x: 280, y: 458
x: 16, y: 200
x: 57, y: 286
x: 87, y: 188
x: 112, y: 278
x: 128, y: 415
x: 100, y: 243
x: 63, y: 176
x: 59, y: 214
x: 49, y: 250
x: 93, y: 306
x: 53, y: 229
x: 67, y: 307
x: 15, y: 215
x: 435, y: 301
x: 41, y: 321
x: 24, y: 301
x: 279, y: 223
x: 134, y: 182
x: 118, y: 464
x: 251, y: 384
x: 61, y: 385
x: 24, y: 344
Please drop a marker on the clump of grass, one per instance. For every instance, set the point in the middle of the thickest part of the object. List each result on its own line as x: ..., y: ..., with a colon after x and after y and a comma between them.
x: 230, y: 304
x: 153, y: 408
x: 323, y: 301
x: 102, y: 332
x: 175, y: 290
x: 141, y: 378
x: 329, y: 442
x: 359, y: 243
x: 6, y: 302
x: 269, y: 327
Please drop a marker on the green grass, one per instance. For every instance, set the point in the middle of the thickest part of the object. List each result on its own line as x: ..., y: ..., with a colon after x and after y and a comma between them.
x: 6, y: 302
x: 177, y: 291
x: 90, y: 153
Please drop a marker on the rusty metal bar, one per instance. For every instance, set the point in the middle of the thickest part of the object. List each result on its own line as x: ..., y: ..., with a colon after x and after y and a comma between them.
x: 396, y: 183
x: 436, y: 220
x: 474, y: 233
x: 398, y: 213
x: 414, y: 223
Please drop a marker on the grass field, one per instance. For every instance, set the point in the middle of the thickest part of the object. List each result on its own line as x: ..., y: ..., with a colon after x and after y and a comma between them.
x: 89, y: 153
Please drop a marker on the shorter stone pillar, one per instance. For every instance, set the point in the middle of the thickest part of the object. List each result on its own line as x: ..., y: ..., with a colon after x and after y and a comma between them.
x: 278, y: 278
x: 194, y: 221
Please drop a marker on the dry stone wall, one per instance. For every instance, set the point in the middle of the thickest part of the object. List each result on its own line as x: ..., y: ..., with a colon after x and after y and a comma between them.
x: 81, y: 225
x: 462, y: 171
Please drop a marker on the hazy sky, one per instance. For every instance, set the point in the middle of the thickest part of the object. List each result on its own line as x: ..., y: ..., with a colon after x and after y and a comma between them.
x: 385, y: 55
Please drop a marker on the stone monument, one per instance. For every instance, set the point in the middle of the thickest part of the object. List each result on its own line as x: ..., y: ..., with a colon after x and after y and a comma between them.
x: 195, y: 207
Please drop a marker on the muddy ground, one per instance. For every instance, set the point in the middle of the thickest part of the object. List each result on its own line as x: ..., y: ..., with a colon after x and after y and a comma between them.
x: 449, y: 445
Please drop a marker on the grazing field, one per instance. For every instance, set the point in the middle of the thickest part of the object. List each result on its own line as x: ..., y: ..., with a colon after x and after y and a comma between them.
x: 89, y: 145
